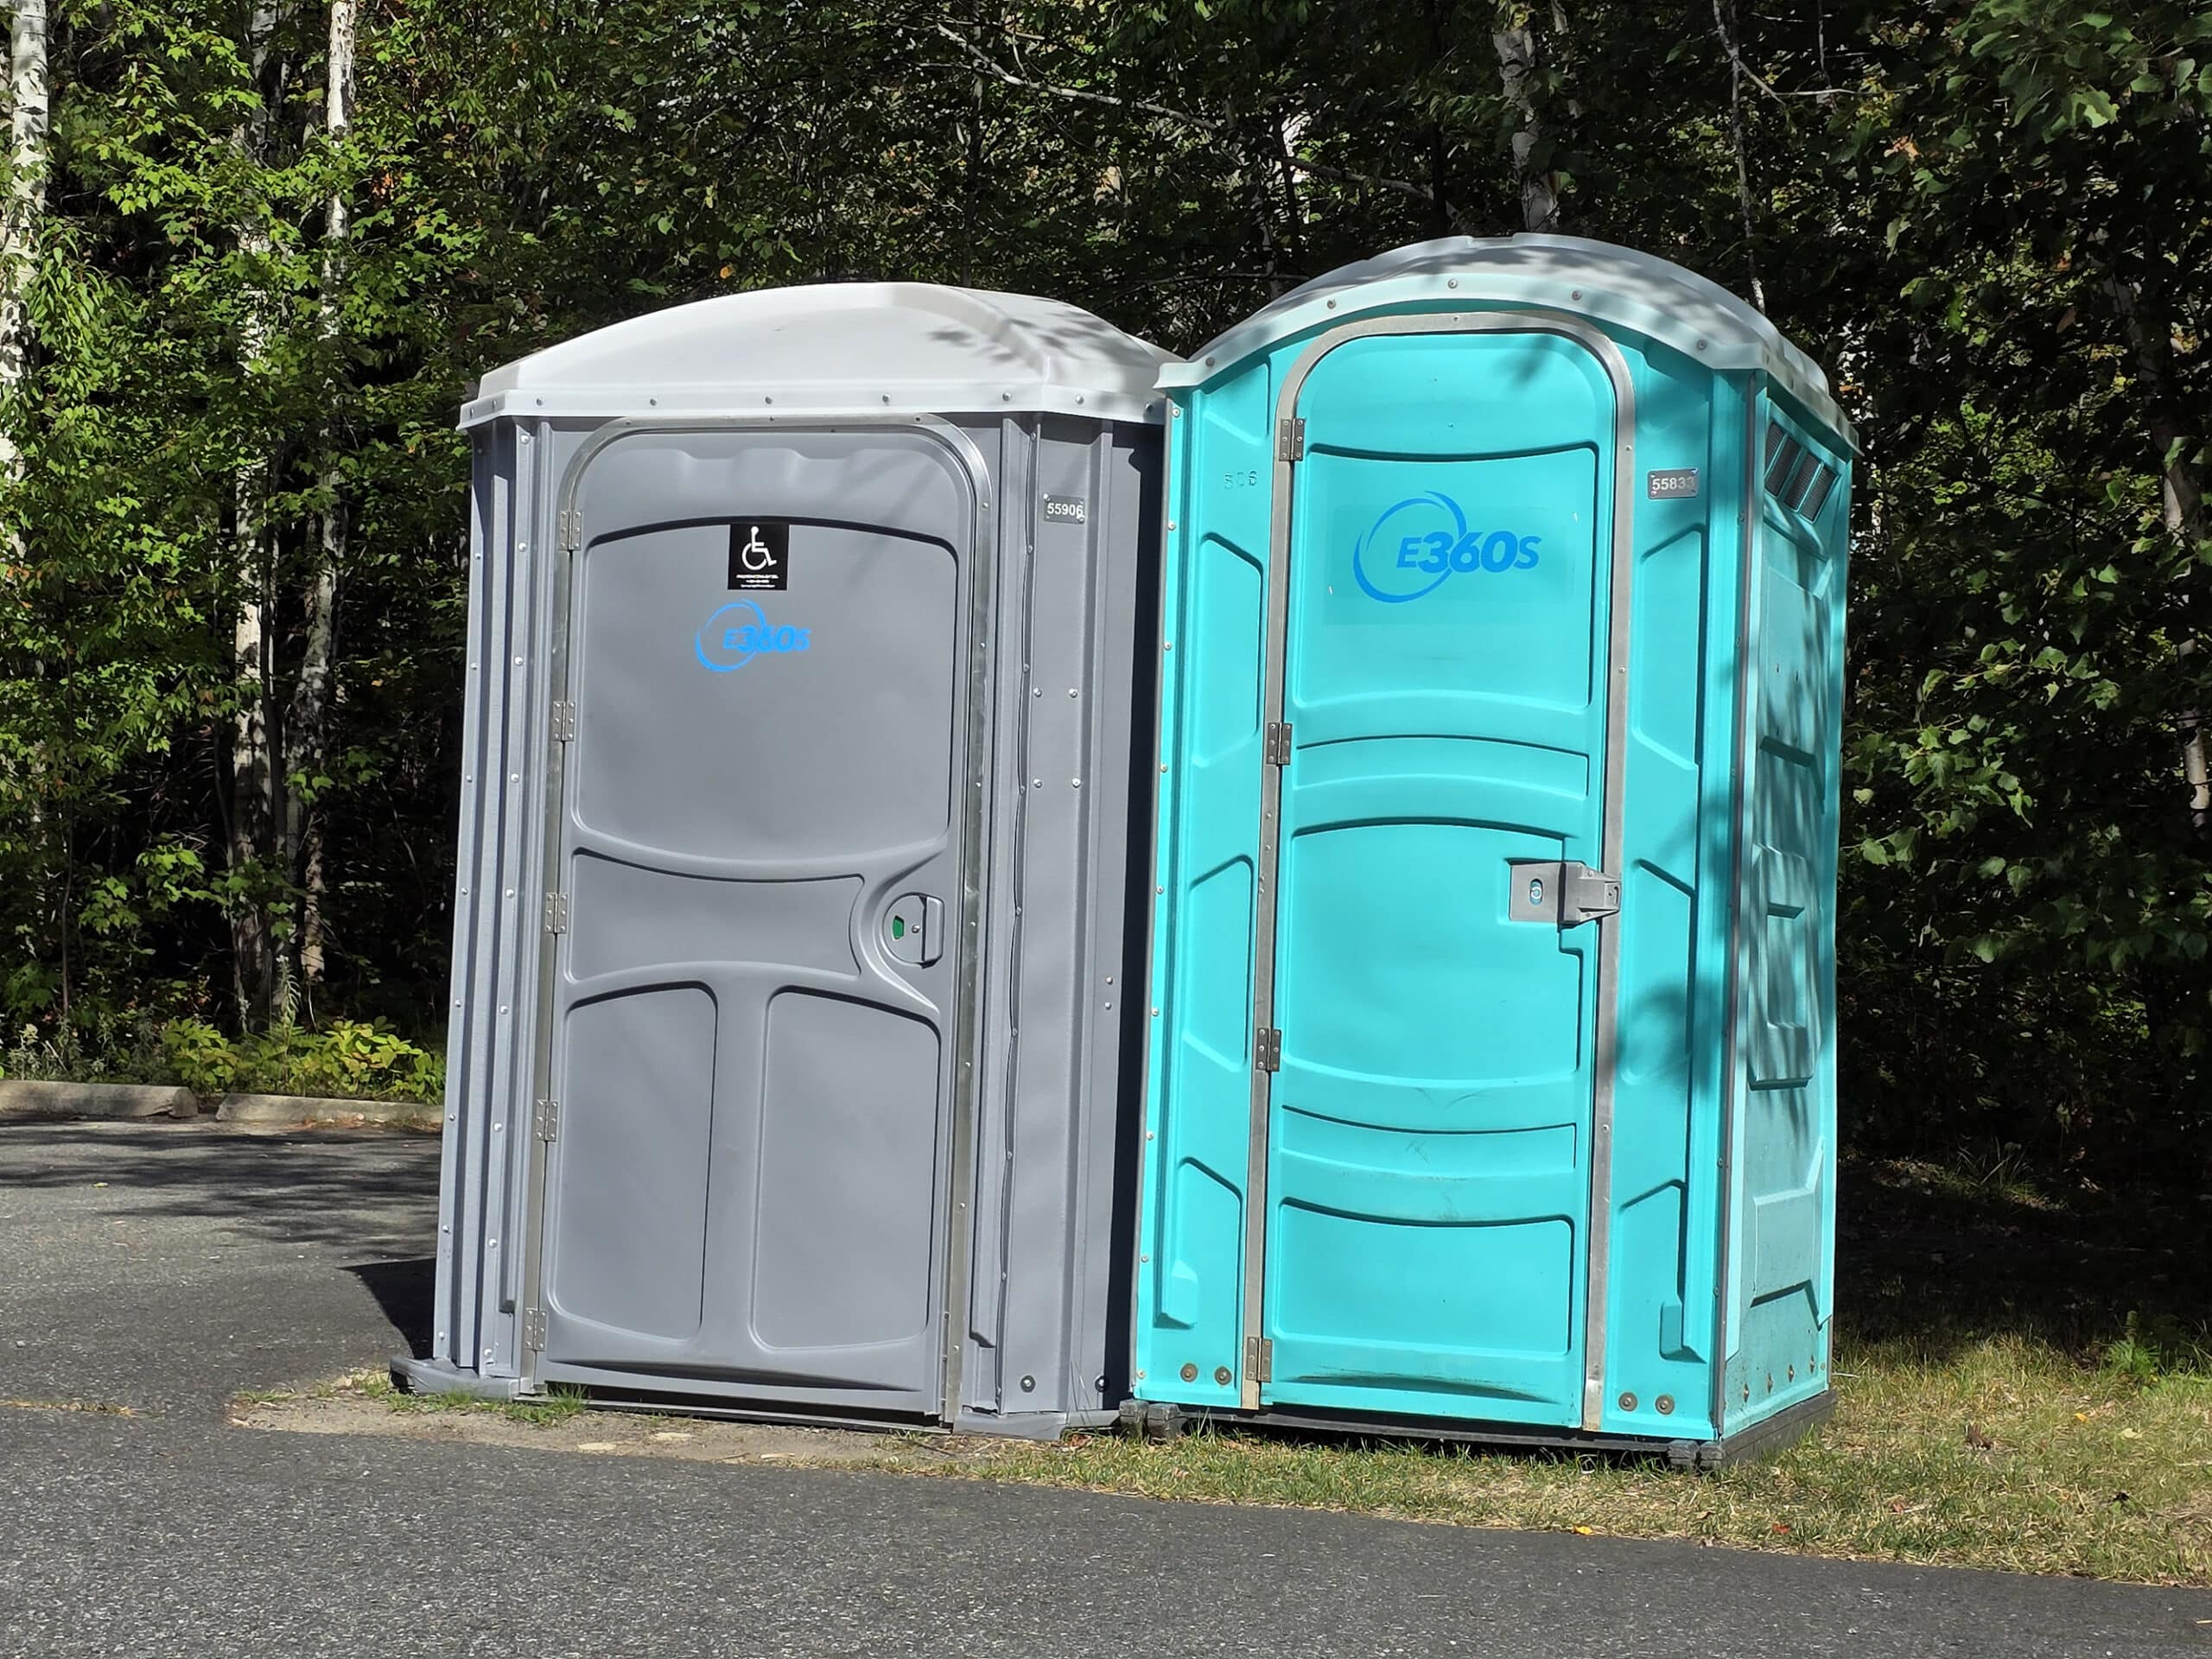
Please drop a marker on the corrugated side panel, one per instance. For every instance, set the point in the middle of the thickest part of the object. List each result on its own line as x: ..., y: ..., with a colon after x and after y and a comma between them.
x: 1662, y: 1308
x: 1045, y: 1210
x: 1199, y: 1079
x: 496, y: 913
x: 1781, y: 1222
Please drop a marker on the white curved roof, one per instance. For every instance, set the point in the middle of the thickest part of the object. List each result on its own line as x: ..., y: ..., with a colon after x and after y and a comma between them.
x: 1636, y: 291
x: 839, y: 347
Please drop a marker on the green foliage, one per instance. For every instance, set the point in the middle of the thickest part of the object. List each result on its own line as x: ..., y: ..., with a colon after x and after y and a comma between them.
x: 347, y: 1060
x: 1991, y: 218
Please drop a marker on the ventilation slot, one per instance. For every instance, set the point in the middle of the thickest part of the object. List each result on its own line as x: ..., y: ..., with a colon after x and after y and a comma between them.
x: 1816, y: 496
x: 1782, y: 453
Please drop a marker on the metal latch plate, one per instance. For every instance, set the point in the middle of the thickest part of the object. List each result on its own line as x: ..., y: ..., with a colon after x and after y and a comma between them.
x: 1564, y: 894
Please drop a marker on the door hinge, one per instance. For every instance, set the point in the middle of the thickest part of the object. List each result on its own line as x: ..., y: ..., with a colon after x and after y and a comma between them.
x: 571, y: 530
x: 564, y: 721
x: 556, y: 913
x: 533, y: 1328
x: 546, y: 1120
x: 1568, y: 895
x: 1259, y: 1359
x: 1269, y: 1048
x: 1290, y: 438
x: 1278, y: 742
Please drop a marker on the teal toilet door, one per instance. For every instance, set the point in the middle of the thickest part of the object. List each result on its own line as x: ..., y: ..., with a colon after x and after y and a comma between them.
x: 1445, y: 660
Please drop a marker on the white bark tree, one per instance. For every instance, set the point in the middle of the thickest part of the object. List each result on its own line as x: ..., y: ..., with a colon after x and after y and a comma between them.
x: 1514, y: 41
x: 306, y: 719
x: 253, y: 780
x: 21, y: 217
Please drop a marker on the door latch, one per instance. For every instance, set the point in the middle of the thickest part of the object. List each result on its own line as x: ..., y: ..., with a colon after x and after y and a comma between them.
x: 1566, y: 894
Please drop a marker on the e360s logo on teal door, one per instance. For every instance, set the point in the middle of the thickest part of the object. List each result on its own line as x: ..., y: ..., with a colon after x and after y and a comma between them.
x: 1418, y: 545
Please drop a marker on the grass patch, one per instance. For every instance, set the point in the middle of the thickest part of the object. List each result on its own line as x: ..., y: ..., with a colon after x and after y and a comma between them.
x: 2067, y: 1470
x: 2024, y: 1381
x: 558, y: 1406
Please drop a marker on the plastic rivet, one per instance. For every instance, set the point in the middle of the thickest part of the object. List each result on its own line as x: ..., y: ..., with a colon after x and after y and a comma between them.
x: 1029, y: 1385
x: 1333, y: 305
x: 1666, y: 1404
x: 1451, y: 281
x: 1190, y: 1372
x: 1071, y: 690
x: 1141, y: 1374
x: 1574, y: 294
x: 1221, y: 1375
x: 1701, y: 345
x: 1628, y: 1403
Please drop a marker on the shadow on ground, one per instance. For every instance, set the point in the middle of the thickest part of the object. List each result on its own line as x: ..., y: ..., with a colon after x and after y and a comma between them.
x: 1928, y: 1258
x: 351, y: 1189
x: 403, y: 1291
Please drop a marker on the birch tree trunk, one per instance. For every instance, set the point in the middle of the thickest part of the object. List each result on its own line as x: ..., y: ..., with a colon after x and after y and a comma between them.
x: 20, y: 221
x: 253, y: 774
x: 22, y: 217
x: 307, y: 719
x: 1516, y: 48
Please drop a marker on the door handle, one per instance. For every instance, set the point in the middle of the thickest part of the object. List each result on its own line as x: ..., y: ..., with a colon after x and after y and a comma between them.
x: 913, y: 928
x: 1566, y: 894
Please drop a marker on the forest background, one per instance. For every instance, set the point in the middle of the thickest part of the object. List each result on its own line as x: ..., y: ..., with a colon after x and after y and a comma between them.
x: 252, y: 253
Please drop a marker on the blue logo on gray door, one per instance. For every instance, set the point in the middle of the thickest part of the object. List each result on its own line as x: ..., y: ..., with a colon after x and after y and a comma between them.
x: 1414, y: 548
x: 740, y: 630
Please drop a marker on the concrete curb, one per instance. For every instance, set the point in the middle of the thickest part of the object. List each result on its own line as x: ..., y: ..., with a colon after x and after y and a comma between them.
x: 301, y: 1111
x: 25, y: 1097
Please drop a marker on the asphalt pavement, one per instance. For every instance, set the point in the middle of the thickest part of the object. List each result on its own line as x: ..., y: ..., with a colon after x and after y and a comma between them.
x: 164, y: 1267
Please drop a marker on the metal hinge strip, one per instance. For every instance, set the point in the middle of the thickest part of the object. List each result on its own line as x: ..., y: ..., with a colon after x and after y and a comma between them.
x: 556, y: 913
x: 533, y: 1328
x: 1269, y: 1048
x: 1259, y: 1359
x: 546, y: 1120
x: 1290, y: 438
x: 1278, y: 742
x: 564, y: 721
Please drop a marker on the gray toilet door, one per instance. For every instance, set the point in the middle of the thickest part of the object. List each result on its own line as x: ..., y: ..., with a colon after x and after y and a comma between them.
x: 757, y: 981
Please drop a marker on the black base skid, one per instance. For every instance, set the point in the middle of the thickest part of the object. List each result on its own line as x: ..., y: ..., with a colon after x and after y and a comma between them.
x: 1158, y: 1421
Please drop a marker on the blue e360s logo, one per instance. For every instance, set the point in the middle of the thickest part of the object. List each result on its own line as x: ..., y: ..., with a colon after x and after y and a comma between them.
x: 738, y: 633
x: 1414, y: 547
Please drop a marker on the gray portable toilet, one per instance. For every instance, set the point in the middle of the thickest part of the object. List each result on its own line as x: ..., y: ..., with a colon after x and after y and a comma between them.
x: 792, y: 911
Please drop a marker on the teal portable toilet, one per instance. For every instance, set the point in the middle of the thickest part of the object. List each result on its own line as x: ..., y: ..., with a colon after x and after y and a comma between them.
x: 1492, y: 1059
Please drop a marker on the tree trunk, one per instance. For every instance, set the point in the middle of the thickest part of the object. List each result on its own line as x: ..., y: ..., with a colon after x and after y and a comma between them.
x: 2181, y: 490
x: 306, y: 719
x: 253, y: 779
x: 20, y: 220
x: 1516, y: 48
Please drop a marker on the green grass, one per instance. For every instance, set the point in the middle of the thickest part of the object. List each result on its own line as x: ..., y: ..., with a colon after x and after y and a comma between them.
x: 557, y: 1406
x: 2084, y: 1472
x: 2068, y: 1332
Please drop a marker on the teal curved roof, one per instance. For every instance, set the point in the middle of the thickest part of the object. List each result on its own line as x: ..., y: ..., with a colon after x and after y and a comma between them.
x: 1638, y: 292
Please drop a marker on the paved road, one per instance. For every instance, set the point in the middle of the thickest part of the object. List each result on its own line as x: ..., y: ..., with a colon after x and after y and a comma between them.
x: 209, y: 1263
